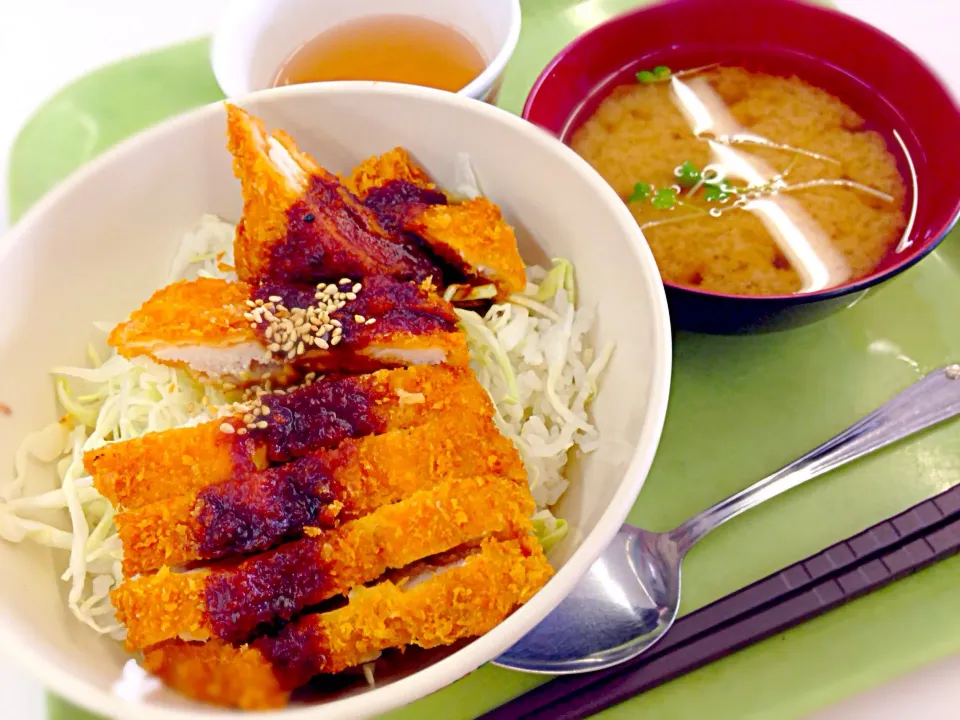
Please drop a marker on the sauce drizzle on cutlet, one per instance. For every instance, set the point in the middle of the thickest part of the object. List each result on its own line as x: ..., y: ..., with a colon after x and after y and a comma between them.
x: 316, y: 417
x: 395, y: 200
x: 296, y: 653
x: 239, y: 517
x: 342, y: 238
x: 274, y: 587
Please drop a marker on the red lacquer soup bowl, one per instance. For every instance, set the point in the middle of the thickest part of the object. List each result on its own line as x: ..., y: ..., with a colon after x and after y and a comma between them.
x: 889, y: 86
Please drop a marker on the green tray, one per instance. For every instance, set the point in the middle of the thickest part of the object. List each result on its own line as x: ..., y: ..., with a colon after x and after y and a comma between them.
x: 740, y: 407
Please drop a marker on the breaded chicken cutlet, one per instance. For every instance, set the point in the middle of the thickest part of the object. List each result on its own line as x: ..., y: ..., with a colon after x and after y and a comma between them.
x: 463, y: 601
x: 390, y: 496
x: 232, y: 331
x: 299, y: 223
x: 233, y: 602
x: 255, y: 511
x: 472, y: 235
x: 278, y: 427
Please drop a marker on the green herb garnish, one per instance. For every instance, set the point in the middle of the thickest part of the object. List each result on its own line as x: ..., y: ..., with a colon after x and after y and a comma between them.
x: 664, y: 199
x: 660, y: 72
x: 687, y: 175
x: 713, y: 192
x: 641, y: 191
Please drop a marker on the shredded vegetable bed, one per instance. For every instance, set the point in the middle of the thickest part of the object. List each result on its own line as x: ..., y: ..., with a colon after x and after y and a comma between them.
x: 531, y: 354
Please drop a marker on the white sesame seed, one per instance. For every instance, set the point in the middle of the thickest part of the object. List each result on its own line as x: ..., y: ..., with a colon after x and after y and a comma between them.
x: 275, y: 299
x: 262, y: 424
x: 322, y: 344
x: 251, y: 304
x: 264, y: 410
x: 370, y: 321
x: 345, y: 281
x: 359, y: 318
x: 357, y: 287
x: 336, y: 323
x: 351, y: 296
x: 335, y: 339
x: 242, y: 431
x: 227, y: 428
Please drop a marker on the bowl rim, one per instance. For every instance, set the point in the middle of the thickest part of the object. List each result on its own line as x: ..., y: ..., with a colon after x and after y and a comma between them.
x: 231, y: 70
x: 849, y: 288
x: 499, y: 639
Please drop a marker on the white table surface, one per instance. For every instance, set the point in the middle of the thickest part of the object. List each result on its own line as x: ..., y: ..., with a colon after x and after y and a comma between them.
x: 47, y: 43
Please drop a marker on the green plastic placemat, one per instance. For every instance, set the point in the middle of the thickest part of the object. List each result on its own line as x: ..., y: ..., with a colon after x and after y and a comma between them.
x: 740, y: 407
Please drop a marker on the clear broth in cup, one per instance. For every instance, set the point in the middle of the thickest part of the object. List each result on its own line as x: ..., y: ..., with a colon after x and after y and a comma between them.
x: 389, y: 48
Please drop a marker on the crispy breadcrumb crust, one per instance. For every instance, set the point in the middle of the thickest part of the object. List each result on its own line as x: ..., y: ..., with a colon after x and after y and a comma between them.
x: 160, y: 465
x: 160, y: 607
x: 163, y: 465
x: 460, y: 602
x: 267, y: 192
x: 205, y: 311
x: 474, y: 237
x: 378, y: 170
x: 362, y: 474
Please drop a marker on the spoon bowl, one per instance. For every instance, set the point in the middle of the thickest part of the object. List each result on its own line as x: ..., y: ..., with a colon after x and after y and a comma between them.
x: 623, y: 605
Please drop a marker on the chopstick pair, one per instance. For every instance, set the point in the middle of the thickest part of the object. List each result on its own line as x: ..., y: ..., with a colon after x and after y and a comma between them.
x: 888, y: 551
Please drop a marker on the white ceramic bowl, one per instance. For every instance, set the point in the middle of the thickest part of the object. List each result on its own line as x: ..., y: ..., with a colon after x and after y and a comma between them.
x: 99, y: 244
x: 256, y: 36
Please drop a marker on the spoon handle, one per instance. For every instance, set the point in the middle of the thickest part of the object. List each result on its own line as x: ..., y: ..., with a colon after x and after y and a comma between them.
x: 927, y: 402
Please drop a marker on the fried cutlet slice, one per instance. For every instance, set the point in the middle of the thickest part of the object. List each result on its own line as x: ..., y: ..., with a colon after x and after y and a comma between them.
x: 231, y: 603
x: 474, y: 237
x: 278, y: 427
x: 254, y: 512
x: 299, y: 223
x: 377, y: 322
x: 230, y: 331
x: 199, y: 325
x: 378, y: 170
x: 466, y: 600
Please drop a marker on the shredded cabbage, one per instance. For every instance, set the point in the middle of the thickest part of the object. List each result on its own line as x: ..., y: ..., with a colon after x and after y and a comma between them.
x: 533, y: 357
x: 205, y: 252
x: 112, y: 400
x: 465, y: 182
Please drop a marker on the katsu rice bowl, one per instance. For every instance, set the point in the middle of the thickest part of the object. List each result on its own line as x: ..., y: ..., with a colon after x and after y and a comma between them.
x: 323, y: 398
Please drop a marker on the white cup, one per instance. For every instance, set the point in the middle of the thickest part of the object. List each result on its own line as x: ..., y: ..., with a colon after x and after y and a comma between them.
x: 257, y: 36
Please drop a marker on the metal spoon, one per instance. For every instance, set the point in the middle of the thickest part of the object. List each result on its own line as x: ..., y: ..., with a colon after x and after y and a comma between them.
x: 630, y: 596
